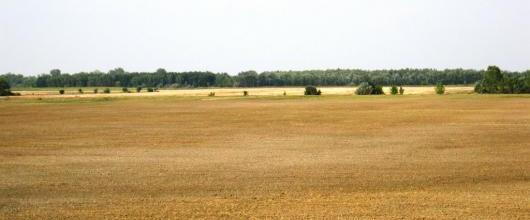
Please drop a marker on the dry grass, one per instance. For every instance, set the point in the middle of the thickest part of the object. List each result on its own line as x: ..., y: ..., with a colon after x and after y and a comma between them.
x: 457, y: 156
x: 290, y: 91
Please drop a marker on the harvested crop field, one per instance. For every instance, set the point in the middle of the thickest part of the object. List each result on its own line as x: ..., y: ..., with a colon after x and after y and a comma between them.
x: 419, y: 156
x: 273, y: 91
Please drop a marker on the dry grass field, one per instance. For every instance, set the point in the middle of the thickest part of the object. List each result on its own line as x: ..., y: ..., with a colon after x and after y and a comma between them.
x: 274, y: 91
x: 165, y: 157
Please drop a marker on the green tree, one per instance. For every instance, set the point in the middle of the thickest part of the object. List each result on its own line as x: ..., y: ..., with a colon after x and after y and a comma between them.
x: 493, y: 80
x: 440, y: 88
x: 394, y: 90
x: 5, y: 88
x: 161, y: 71
x: 311, y: 90
x: 55, y: 72
x: 223, y: 80
x: 248, y: 79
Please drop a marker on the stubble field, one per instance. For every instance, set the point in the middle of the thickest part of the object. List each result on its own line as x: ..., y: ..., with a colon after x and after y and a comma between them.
x: 88, y: 92
x: 417, y: 156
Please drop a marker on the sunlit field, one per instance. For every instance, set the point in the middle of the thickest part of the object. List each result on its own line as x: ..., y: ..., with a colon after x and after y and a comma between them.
x: 289, y: 91
x: 452, y: 156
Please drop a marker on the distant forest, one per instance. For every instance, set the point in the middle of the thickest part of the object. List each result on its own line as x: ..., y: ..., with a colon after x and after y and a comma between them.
x: 332, y: 77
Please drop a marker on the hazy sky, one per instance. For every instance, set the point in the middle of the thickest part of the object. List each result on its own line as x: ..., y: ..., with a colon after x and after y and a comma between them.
x: 236, y: 35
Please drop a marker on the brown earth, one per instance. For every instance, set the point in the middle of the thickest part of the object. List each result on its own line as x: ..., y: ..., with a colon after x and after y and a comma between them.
x: 424, y: 156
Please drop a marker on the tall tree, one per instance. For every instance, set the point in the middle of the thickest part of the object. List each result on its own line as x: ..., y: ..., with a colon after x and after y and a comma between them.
x: 492, y: 80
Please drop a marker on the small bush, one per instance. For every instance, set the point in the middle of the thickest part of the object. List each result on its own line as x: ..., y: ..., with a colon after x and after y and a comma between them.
x: 440, y: 88
x: 284, y: 93
x: 311, y: 90
x: 125, y: 90
x: 401, y: 90
x: 211, y: 94
x: 138, y: 89
x: 149, y: 89
x: 106, y: 90
x: 245, y: 93
x: 61, y: 91
x: 394, y: 90
x: 80, y: 91
x: 95, y: 90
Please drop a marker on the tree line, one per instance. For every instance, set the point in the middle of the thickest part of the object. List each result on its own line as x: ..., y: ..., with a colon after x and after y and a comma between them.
x: 333, y: 77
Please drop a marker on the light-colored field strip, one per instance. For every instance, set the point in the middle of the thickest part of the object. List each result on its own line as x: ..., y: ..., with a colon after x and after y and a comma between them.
x: 290, y: 91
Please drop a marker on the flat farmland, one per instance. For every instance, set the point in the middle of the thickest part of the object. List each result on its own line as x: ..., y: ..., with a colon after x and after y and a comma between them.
x: 88, y: 92
x: 177, y: 157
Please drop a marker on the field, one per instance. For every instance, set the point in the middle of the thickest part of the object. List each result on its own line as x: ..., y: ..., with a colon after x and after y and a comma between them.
x: 289, y: 91
x: 191, y: 156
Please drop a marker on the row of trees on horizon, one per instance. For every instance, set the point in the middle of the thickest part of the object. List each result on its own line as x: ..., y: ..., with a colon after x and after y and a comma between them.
x: 334, y: 77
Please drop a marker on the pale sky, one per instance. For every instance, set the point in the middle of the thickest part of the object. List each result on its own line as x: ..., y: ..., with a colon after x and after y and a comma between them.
x: 237, y: 35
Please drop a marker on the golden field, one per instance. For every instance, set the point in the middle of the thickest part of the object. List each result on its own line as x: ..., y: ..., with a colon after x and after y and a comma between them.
x: 457, y: 156
x: 274, y: 91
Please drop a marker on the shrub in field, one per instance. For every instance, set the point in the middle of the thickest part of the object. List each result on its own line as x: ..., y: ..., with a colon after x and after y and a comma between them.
x: 149, y: 89
x: 378, y: 90
x: 80, y: 91
x: 61, y: 91
x: 401, y: 90
x: 366, y: 88
x: 311, y: 90
x: 245, y: 93
x: 138, y: 89
x: 211, y: 94
x: 284, y: 93
x: 106, y: 90
x: 394, y: 90
x: 440, y: 88
x: 125, y: 90
x: 5, y: 88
